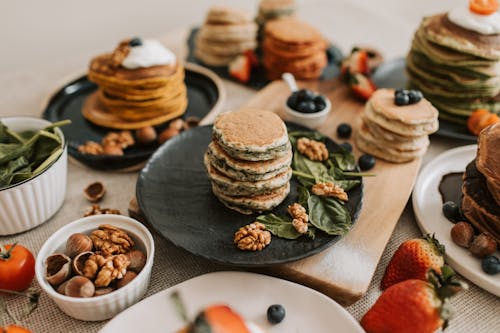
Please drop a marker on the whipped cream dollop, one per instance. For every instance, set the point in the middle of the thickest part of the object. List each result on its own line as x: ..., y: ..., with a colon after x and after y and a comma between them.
x: 150, y: 53
x: 483, y: 24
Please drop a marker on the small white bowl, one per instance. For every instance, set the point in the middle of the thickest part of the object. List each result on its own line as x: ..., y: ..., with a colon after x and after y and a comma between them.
x: 30, y: 203
x: 105, y: 306
x: 311, y: 120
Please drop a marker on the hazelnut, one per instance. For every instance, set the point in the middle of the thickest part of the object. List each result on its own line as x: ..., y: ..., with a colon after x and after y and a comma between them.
x: 483, y: 245
x: 103, y: 291
x: 129, y: 276
x: 112, y: 149
x: 79, y: 262
x: 146, y: 135
x: 137, y: 260
x: 78, y: 243
x: 191, y: 122
x: 61, y: 288
x: 79, y: 286
x: 177, y: 124
x: 462, y: 234
x: 57, y: 268
x: 94, y: 192
x: 167, y: 134
x: 134, y: 211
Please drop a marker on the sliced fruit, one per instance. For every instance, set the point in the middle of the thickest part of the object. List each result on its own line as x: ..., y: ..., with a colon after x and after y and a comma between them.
x: 222, y: 319
x: 240, y: 68
x: 362, y: 86
x: 483, y: 7
x: 357, y: 62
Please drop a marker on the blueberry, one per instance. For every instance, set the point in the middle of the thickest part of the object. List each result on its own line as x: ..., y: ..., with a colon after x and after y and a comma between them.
x: 490, y: 265
x: 402, y: 99
x: 366, y: 162
x: 344, y: 131
x: 414, y: 96
x: 306, y: 107
x: 451, y: 211
x: 292, y: 101
x: 400, y: 91
x: 320, y: 102
x: 346, y: 146
x: 135, y: 42
x: 276, y: 313
x: 305, y: 95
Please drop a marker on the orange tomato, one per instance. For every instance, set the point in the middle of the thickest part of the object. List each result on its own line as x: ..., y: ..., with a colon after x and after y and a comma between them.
x: 483, y: 7
x: 17, y: 267
x: 14, y: 329
x: 480, y: 119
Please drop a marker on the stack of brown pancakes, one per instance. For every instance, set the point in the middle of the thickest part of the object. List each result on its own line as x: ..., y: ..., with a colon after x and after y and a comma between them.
x: 395, y: 133
x: 134, y: 98
x: 291, y: 45
x: 225, y: 34
x: 248, y: 160
x: 457, y: 69
x: 481, y: 187
x: 270, y: 10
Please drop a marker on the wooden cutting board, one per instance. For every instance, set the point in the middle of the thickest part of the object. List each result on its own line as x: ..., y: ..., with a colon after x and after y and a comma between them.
x: 344, y: 271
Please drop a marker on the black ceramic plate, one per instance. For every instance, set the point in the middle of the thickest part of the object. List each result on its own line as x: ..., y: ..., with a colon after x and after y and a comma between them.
x: 392, y: 74
x: 203, y: 94
x: 175, y: 195
x: 258, y: 78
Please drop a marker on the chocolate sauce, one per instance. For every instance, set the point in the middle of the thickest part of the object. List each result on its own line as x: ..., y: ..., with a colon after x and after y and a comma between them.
x: 450, y: 187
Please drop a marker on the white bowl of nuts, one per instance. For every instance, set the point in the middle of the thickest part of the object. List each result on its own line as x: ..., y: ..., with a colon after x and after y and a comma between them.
x: 96, y: 266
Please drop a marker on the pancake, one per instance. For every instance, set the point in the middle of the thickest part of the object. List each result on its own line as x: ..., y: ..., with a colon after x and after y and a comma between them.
x: 249, y: 167
x: 233, y: 187
x: 488, y: 159
x: 408, y: 120
x: 440, y: 30
x: 251, y: 134
x: 225, y: 15
x: 231, y: 32
x: 292, y: 31
x: 224, y: 49
x: 253, y: 204
x: 478, y: 205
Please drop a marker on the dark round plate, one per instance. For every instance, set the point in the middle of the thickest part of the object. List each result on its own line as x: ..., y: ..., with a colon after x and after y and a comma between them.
x: 392, y: 74
x: 258, y: 77
x: 174, y: 193
x: 203, y: 94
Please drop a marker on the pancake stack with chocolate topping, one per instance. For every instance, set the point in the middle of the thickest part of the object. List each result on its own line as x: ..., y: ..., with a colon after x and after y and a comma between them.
x: 395, y: 133
x: 248, y: 160
x: 457, y: 69
x: 481, y: 187
x: 139, y: 84
x: 293, y: 46
x: 225, y: 34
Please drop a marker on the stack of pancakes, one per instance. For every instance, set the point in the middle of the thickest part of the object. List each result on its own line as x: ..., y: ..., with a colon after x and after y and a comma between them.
x: 457, y: 69
x: 395, y: 133
x: 134, y: 98
x: 293, y: 46
x: 248, y: 160
x: 481, y: 187
x: 225, y: 34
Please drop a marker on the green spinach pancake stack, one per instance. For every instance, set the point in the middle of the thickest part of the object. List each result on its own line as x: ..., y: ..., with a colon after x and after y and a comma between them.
x: 248, y: 160
x: 456, y: 67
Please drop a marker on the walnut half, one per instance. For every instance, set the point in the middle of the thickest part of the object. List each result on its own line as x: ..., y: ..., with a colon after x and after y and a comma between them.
x: 111, y: 240
x: 300, y: 217
x: 314, y: 150
x: 252, y: 237
x: 329, y: 189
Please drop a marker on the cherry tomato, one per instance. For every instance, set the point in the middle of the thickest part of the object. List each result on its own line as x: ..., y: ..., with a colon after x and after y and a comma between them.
x: 17, y: 267
x: 14, y: 329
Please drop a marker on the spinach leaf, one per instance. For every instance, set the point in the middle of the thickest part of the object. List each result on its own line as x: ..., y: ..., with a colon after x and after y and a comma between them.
x: 46, y: 144
x: 303, y: 196
x: 343, y: 160
x: 329, y: 215
x: 280, y: 227
x: 8, y: 169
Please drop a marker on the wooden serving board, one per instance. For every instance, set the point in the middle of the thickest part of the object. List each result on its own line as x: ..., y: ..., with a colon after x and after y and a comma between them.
x: 344, y: 271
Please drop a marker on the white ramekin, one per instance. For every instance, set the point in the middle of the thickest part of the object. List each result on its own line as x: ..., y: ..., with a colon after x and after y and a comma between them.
x: 105, y: 306
x: 30, y: 203
x: 311, y: 120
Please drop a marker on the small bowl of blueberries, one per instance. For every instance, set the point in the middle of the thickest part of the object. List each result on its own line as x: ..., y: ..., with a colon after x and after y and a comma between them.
x: 304, y: 106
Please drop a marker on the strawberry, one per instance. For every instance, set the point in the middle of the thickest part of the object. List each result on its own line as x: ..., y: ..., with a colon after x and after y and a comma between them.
x: 356, y: 63
x: 222, y: 319
x: 413, y: 259
x: 414, y: 306
x: 240, y: 68
x: 252, y: 57
x: 361, y: 86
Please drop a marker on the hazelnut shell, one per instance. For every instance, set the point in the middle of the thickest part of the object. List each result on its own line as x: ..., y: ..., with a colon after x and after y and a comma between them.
x: 79, y: 262
x: 57, y: 268
x: 94, y: 192
x: 78, y: 243
x: 191, y: 122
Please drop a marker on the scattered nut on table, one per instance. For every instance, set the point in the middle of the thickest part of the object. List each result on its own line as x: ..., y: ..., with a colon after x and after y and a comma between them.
x: 94, y: 192
x: 96, y: 263
x: 97, y: 210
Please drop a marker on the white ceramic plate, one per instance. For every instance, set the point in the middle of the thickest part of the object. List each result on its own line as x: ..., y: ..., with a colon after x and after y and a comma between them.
x: 427, y: 205
x: 247, y: 293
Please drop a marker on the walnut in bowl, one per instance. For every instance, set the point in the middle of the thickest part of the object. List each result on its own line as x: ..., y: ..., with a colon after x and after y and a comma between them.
x: 105, y: 279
